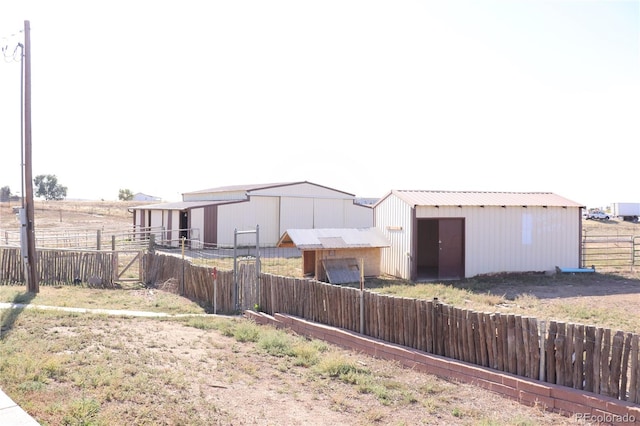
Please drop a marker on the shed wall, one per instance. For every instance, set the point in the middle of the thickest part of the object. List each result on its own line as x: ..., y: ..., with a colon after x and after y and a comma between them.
x: 515, y: 238
x: 394, y: 218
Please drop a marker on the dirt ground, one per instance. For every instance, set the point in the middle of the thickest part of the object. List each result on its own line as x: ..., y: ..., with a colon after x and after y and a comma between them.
x: 242, y: 387
x: 610, y: 288
x: 249, y: 389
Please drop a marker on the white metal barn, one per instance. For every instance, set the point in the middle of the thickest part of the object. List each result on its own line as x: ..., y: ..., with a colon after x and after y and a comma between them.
x: 453, y: 235
x: 211, y: 216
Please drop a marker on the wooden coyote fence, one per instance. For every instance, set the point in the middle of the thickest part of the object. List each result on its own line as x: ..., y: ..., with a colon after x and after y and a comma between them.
x: 221, y: 295
x: 592, y: 359
x: 61, y: 266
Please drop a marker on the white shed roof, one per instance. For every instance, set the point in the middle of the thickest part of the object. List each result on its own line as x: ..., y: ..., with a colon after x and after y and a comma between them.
x: 334, y: 238
x: 476, y: 198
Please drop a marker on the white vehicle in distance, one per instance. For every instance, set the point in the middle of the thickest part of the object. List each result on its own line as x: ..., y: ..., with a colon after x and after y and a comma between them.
x: 597, y: 215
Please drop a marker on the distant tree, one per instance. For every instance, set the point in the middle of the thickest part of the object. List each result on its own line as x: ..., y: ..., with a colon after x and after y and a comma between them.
x: 47, y: 186
x: 5, y: 193
x: 125, y: 195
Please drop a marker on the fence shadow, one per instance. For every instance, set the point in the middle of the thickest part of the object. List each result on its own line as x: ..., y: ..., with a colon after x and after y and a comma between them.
x: 9, y: 316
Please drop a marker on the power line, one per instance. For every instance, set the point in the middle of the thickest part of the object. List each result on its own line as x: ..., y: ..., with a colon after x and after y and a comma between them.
x: 12, y: 47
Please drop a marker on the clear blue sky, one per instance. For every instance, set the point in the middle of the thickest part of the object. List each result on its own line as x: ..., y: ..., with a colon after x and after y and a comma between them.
x: 363, y: 96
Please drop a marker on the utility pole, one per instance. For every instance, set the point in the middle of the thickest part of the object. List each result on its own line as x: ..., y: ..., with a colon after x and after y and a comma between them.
x: 30, y: 262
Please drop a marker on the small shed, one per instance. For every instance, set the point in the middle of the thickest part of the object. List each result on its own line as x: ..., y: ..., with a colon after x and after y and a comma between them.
x: 338, y: 255
x: 461, y: 234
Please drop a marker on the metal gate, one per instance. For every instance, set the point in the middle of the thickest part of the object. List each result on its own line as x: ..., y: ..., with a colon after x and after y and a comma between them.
x: 610, y: 251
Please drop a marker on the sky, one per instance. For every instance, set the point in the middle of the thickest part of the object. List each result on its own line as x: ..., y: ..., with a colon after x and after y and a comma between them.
x: 364, y: 96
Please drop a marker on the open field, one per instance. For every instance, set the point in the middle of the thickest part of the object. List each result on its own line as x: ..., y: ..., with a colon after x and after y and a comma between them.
x: 71, y: 368
x: 72, y: 214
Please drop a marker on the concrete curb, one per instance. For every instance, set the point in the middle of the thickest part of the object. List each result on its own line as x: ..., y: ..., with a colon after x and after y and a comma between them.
x: 12, y: 415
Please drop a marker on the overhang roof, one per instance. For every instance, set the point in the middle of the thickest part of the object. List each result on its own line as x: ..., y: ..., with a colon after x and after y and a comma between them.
x: 333, y: 238
x: 183, y: 205
x: 478, y: 198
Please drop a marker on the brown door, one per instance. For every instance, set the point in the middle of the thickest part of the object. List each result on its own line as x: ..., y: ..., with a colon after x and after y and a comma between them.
x: 451, y: 248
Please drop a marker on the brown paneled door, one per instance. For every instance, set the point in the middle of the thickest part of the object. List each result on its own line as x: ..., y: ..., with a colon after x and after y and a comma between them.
x: 451, y: 248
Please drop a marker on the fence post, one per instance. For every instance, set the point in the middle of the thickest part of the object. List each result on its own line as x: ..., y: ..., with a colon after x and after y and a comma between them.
x: 152, y: 243
x: 361, y: 296
x: 98, y: 239
x: 542, y: 349
x: 182, y: 280
x: 215, y: 289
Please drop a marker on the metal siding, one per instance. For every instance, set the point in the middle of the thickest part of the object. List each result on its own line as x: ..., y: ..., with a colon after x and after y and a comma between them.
x: 328, y: 213
x: 168, y: 224
x: 157, y: 224
x: 357, y: 216
x: 262, y: 211
x: 515, y: 239
x: 156, y: 219
x: 296, y: 213
x: 173, y: 226
x: 196, y: 224
x: 393, y: 212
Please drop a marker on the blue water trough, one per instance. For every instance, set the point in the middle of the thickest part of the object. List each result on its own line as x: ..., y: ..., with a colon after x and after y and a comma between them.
x: 575, y: 270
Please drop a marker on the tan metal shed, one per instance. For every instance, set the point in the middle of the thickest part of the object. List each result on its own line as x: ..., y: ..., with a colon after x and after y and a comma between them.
x: 458, y: 234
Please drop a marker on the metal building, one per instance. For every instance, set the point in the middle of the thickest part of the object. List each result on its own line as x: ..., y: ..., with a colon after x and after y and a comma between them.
x: 211, y: 216
x: 454, y: 235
